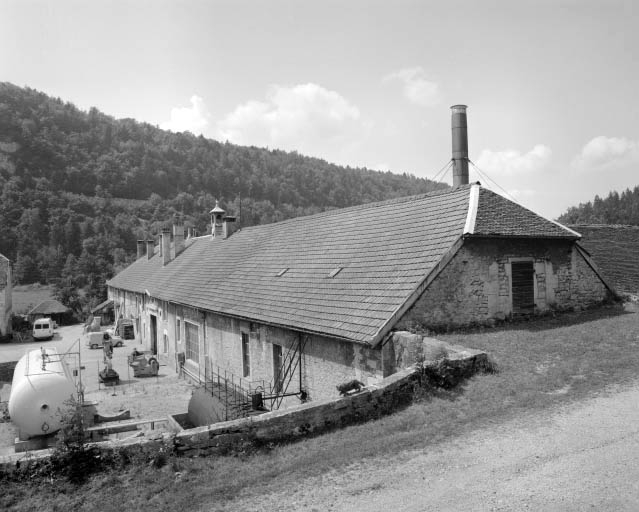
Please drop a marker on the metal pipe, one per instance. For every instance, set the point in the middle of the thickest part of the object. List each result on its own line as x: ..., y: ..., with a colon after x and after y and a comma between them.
x: 459, y: 126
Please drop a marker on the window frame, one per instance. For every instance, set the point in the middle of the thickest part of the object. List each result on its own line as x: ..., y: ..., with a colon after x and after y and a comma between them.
x: 246, y: 354
x: 189, y: 349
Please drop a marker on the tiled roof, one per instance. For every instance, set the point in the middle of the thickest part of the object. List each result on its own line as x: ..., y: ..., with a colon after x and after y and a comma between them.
x: 385, y: 250
x: 496, y: 216
x: 615, y: 249
x: 49, y: 307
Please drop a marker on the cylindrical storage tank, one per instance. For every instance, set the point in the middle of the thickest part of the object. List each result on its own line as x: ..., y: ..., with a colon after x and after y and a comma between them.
x: 39, y: 392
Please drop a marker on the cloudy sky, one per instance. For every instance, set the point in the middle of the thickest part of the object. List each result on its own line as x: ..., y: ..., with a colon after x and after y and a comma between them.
x: 551, y: 85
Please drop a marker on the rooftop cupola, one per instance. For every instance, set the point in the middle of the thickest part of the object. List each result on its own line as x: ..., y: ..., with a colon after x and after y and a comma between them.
x: 217, y: 221
x: 459, y: 128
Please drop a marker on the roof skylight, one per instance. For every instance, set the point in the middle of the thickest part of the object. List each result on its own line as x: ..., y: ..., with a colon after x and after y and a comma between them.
x: 336, y: 271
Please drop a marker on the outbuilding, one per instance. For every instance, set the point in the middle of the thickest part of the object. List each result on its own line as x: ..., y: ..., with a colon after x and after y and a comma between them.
x: 51, y: 308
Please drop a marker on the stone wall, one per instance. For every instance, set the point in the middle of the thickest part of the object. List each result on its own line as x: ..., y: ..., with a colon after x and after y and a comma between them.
x: 475, y: 287
x: 376, y: 400
x: 329, y: 362
x: 325, y: 362
x: 312, y: 417
x: 384, y: 397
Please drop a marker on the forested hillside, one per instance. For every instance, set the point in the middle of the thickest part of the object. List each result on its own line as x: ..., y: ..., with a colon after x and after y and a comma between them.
x: 614, y: 209
x: 78, y: 188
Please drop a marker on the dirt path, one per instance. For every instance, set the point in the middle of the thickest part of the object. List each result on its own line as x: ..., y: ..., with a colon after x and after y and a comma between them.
x: 583, y: 457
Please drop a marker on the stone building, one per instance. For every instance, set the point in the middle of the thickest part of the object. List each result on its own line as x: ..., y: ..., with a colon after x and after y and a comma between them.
x: 292, y: 309
x: 297, y: 307
x: 5, y: 296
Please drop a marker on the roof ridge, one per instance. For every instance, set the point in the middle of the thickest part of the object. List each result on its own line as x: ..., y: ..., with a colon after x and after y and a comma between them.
x: 365, y: 206
x: 473, y: 203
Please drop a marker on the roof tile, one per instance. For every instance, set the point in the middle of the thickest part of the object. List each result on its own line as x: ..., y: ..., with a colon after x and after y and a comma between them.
x: 385, y: 251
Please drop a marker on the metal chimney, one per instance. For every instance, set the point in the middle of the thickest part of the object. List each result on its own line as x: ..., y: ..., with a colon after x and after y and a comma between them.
x: 460, y: 145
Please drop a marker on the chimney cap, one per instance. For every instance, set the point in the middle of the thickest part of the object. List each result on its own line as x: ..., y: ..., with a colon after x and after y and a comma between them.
x: 459, y: 109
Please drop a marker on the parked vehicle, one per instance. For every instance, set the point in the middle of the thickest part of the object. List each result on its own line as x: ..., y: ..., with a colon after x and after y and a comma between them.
x: 95, y: 340
x: 43, y: 329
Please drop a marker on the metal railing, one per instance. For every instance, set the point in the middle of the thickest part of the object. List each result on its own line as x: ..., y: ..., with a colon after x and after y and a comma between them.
x: 234, y: 393
x: 241, y: 396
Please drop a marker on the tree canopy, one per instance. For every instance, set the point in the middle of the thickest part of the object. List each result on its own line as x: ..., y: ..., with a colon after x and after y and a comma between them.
x: 615, y: 209
x: 78, y: 188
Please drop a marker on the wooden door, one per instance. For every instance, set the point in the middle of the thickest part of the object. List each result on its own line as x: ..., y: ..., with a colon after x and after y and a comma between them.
x: 523, y: 287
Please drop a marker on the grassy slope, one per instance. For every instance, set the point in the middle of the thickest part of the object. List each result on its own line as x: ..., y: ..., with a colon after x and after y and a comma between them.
x: 26, y: 297
x: 543, y: 363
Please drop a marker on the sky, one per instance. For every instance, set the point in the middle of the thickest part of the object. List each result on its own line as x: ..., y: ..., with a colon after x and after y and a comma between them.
x: 551, y: 86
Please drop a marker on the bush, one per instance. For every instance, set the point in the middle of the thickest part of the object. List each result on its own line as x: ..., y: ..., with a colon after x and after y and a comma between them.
x: 72, y: 457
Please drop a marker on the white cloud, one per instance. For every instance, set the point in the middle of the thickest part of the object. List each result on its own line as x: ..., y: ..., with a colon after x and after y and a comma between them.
x: 306, y: 117
x: 416, y: 88
x: 194, y: 119
x: 605, y: 152
x: 512, y: 163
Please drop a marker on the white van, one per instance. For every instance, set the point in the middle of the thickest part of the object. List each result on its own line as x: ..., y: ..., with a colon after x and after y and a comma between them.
x: 43, y: 329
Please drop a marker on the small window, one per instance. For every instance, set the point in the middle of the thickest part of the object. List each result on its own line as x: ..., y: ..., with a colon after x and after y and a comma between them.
x: 246, y: 355
x: 278, y: 378
x: 281, y: 272
x: 178, y: 330
x: 334, y: 272
x: 192, y: 342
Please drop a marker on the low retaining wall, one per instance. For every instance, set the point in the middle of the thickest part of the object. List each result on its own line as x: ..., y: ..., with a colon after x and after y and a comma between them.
x: 302, y: 419
x: 313, y: 417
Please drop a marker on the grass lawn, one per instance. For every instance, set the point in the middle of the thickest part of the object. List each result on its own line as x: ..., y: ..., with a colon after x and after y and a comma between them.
x: 542, y: 364
x: 27, y: 296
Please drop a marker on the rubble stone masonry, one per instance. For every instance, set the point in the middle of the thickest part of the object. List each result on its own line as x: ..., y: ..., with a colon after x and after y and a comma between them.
x: 475, y: 287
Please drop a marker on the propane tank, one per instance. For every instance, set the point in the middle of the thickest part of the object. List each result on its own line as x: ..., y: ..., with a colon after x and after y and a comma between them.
x: 42, y: 383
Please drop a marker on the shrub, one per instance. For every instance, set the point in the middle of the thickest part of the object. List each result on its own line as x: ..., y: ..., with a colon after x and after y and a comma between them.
x: 72, y: 457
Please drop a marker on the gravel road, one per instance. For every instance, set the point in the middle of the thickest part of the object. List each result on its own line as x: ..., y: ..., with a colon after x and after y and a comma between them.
x: 583, y: 457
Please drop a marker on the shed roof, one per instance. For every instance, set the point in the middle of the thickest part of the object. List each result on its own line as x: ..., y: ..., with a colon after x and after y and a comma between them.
x: 385, y: 252
x: 49, y: 307
x: 615, y: 248
x: 102, y: 305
